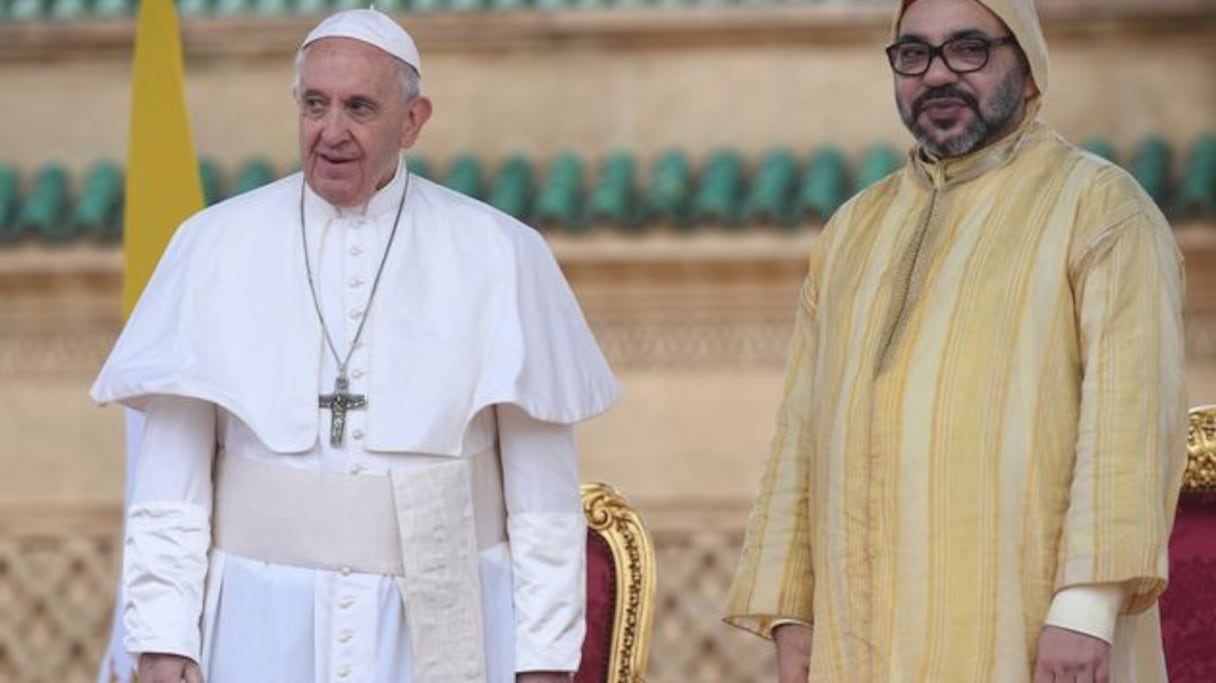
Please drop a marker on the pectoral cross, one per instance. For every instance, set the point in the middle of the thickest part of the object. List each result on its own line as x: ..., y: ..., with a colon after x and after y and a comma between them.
x: 338, y: 403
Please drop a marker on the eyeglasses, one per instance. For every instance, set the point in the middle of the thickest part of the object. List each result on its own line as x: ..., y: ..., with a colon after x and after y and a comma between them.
x: 960, y: 55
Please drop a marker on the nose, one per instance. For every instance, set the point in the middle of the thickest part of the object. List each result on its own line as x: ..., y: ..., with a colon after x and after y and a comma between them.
x: 938, y: 73
x: 333, y: 127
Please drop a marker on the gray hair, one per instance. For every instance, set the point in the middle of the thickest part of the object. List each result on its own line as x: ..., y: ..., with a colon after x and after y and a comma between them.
x: 411, y: 81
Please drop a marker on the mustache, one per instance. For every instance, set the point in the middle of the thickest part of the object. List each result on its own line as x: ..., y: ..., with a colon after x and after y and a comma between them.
x: 944, y: 92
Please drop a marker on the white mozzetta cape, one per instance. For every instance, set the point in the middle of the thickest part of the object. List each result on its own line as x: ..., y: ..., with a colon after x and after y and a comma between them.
x: 472, y: 311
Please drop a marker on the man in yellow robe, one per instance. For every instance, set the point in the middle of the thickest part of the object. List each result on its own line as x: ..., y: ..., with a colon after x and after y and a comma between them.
x: 978, y: 455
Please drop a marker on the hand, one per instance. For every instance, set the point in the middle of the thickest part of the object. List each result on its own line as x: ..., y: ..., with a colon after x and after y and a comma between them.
x: 1066, y: 656
x: 544, y: 677
x: 793, y: 652
x: 157, y: 667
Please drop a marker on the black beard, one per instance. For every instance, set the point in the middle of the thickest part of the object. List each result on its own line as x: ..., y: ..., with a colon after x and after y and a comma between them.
x: 984, y: 129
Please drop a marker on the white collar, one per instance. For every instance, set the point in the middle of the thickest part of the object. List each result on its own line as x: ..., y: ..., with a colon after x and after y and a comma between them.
x: 383, y: 203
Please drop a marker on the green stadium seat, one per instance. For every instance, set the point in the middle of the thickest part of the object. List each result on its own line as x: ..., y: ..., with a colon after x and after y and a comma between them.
x: 209, y: 176
x: 252, y: 175
x: 69, y: 10
x: 1101, y: 147
x: 271, y: 8
x: 467, y: 176
x: 878, y: 162
x: 189, y: 9
x: 420, y: 166
x: 1151, y: 167
x: 769, y: 199
x: 231, y: 8
x: 718, y: 199
x: 42, y: 211
x: 97, y: 208
x: 825, y: 184
x: 508, y: 5
x: 10, y: 183
x: 559, y: 201
x: 669, y: 190
x: 429, y: 5
x: 613, y: 198
x: 465, y: 5
x: 1197, y: 187
x: 27, y: 10
x: 112, y: 9
x: 312, y: 7
x: 513, y: 188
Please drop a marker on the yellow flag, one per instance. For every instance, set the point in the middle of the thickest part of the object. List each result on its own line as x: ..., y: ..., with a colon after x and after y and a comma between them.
x: 163, y: 186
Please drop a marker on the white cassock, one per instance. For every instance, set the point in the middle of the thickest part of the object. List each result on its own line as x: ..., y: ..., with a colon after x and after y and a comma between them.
x: 474, y: 352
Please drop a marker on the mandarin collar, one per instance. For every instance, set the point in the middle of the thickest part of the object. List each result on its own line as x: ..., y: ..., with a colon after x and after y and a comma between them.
x: 945, y: 173
x: 382, y: 204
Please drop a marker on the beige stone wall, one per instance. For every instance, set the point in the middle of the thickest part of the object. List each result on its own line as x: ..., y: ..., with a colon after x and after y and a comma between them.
x: 58, y: 312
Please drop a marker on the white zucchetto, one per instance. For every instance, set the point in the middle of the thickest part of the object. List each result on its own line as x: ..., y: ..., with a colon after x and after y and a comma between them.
x: 372, y: 27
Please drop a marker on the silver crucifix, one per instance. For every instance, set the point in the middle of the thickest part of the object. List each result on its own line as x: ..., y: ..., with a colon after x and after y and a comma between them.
x: 338, y: 403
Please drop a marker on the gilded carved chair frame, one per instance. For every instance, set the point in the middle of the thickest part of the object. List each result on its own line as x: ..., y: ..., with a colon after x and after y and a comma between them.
x: 1200, y: 474
x: 615, y: 521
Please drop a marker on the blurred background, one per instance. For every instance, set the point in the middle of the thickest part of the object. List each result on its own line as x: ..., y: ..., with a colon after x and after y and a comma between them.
x: 679, y: 155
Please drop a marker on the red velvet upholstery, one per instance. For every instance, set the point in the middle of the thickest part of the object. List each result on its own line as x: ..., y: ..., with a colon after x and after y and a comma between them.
x: 601, y: 610
x: 1188, y: 607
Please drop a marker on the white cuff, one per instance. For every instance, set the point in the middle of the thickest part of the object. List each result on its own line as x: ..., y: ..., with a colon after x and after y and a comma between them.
x: 1090, y: 609
x: 548, y: 558
x: 164, y: 567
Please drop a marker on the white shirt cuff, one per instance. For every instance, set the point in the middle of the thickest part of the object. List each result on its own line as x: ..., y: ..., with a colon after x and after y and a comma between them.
x: 548, y: 552
x: 164, y: 566
x: 1090, y: 609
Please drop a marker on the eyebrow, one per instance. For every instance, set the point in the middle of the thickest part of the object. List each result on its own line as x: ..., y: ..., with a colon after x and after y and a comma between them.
x: 362, y: 99
x: 961, y: 33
